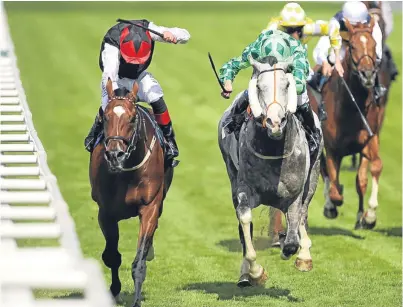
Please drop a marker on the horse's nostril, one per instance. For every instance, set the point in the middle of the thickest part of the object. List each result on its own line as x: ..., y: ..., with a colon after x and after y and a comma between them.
x: 108, y: 155
x: 120, y: 155
x: 269, y: 122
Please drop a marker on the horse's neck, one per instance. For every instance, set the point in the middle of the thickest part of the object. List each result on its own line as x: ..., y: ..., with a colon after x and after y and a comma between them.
x: 264, y: 145
x: 145, y: 131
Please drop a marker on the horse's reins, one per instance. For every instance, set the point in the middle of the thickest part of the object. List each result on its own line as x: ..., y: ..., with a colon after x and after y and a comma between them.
x: 132, y: 142
x: 364, y: 120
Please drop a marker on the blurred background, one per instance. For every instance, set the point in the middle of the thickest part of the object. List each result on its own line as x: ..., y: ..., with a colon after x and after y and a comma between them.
x: 197, y: 250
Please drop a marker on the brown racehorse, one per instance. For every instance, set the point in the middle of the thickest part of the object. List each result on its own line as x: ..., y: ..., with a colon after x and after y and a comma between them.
x: 384, y: 75
x: 344, y: 132
x: 128, y: 179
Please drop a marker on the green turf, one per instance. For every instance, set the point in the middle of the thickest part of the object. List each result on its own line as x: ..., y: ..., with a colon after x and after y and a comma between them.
x: 197, y: 251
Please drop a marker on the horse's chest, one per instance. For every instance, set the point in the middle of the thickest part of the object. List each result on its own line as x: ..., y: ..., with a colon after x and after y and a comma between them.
x: 275, y: 180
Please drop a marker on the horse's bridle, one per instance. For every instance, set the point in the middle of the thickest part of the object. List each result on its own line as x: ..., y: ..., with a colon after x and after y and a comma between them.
x: 264, y: 119
x: 132, y: 142
x: 354, y: 64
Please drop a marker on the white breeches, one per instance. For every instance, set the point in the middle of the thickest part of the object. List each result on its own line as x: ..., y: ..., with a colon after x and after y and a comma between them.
x: 323, y: 49
x: 303, y: 98
x: 149, y: 88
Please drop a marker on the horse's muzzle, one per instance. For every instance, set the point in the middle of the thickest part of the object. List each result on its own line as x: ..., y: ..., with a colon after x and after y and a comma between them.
x: 367, y: 78
x: 115, y: 159
x: 275, y: 130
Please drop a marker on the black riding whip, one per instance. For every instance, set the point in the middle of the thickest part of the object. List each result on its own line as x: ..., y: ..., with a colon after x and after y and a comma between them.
x: 216, y: 75
x: 364, y: 120
x: 140, y: 26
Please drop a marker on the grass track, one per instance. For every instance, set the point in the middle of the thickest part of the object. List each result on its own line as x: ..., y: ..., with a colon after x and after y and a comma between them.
x: 197, y: 251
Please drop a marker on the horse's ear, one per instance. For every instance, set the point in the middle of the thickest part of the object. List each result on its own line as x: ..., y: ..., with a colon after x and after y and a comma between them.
x: 349, y: 27
x: 109, y: 89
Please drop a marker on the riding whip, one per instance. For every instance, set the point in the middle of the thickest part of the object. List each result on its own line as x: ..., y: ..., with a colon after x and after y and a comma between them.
x: 364, y: 120
x: 140, y: 26
x: 215, y: 72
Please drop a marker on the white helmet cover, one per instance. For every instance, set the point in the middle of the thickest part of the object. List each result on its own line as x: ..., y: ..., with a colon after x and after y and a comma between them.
x: 355, y: 12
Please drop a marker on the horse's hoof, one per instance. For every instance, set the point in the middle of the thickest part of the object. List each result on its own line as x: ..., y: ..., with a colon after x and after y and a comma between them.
x: 276, y: 244
x: 261, y: 280
x: 289, y: 250
x: 362, y: 224
x: 118, y: 299
x: 303, y: 265
x: 337, y: 202
x: 330, y: 213
x: 244, y: 281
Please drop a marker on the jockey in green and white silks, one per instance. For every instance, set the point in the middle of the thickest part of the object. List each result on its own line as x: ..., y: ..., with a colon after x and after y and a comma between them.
x: 284, y: 48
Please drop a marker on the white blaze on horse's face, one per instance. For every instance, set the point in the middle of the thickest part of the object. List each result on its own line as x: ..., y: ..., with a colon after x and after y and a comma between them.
x: 119, y: 110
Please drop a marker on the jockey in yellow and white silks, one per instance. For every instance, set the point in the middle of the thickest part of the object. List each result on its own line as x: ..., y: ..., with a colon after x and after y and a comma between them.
x: 292, y: 12
x: 355, y: 12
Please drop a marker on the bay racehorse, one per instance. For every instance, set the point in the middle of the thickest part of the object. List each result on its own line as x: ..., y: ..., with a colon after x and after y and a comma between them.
x: 270, y: 165
x: 385, y: 69
x: 344, y: 131
x: 128, y: 179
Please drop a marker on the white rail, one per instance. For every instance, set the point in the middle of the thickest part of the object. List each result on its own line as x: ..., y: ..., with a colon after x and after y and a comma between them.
x: 39, y: 201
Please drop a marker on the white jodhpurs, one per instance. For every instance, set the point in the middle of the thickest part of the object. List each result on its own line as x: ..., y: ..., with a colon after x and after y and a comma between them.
x: 303, y: 98
x: 149, y: 88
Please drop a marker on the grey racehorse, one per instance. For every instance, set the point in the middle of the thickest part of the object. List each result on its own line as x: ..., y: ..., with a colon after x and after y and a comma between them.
x: 270, y: 165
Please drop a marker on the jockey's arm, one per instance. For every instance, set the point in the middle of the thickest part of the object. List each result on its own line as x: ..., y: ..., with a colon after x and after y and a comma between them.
x: 182, y: 36
x: 330, y: 39
x: 387, y: 17
x: 377, y: 35
x: 301, y: 68
x: 110, y: 61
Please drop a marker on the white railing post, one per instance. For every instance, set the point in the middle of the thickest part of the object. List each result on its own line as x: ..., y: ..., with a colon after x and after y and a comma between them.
x: 22, y: 198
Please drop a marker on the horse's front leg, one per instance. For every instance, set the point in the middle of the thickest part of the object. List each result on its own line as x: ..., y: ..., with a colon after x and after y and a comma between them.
x: 148, y: 224
x: 293, y: 216
x: 111, y: 256
x: 367, y: 220
x: 252, y: 273
x: 332, y: 188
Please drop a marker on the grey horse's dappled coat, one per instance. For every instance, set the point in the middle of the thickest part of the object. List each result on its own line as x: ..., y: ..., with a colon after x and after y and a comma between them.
x: 270, y: 164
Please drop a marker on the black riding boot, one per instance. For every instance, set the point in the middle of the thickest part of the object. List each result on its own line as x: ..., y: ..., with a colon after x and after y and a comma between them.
x: 317, y: 82
x: 236, y: 117
x: 172, y: 150
x: 163, y: 119
x: 96, y: 129
x: 308, y: 122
